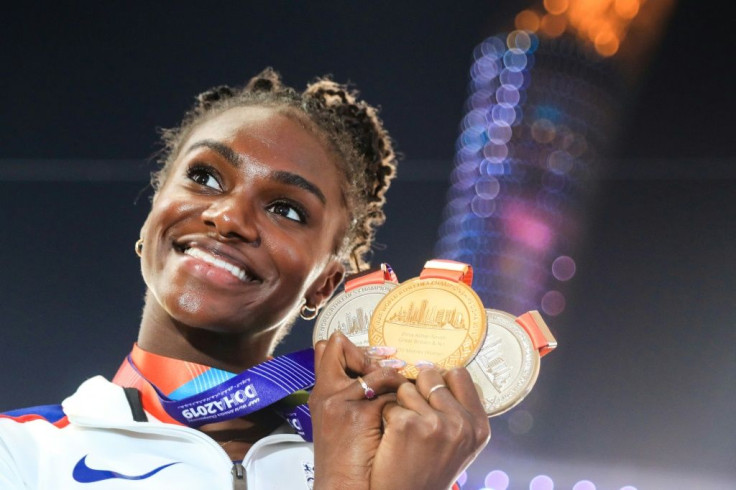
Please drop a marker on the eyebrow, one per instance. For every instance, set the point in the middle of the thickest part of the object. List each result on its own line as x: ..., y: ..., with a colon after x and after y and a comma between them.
x: 225, y: 151
x: 281, y: 176
x: 298, y: 181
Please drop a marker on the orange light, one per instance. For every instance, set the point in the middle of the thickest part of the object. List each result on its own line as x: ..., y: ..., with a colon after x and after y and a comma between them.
x: 602, y: 23
x: 553, y: 25
x: 556, y: 7
x: 594, y: 7
x: 606, y: 43
x: 597, y: 26
x: 527, y: 20
x: 627, y: 9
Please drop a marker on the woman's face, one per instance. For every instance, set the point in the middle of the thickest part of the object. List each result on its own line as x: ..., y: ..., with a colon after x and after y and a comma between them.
x: 246, y: 225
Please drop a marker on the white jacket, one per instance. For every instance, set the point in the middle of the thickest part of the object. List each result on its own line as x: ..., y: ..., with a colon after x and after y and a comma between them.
x: 103, y: 447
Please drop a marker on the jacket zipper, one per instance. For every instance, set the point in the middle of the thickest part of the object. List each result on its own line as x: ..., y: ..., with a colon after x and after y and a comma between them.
x: 238, y: 472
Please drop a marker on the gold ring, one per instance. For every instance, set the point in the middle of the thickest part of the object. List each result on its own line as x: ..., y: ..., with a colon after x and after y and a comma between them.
x: 435, y: 388
x: 369, y: 393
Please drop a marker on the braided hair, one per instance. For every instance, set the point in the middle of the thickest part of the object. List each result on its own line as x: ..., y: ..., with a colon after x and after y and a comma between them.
x: 349, y: 127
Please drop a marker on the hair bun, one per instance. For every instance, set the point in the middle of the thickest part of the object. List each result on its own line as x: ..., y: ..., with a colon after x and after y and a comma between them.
x: 209, y: 97
x: 266, y: 81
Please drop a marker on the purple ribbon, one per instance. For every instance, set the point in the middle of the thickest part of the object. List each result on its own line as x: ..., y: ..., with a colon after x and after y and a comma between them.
x: 254, y: 389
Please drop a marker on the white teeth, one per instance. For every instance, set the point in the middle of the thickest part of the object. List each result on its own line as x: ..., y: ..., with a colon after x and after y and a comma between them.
x: 211, y: 259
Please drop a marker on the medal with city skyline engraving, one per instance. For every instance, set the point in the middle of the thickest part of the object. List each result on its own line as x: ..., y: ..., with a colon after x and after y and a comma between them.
x: 435, y: 317
x: 506, y: 367
x: 350, y: 311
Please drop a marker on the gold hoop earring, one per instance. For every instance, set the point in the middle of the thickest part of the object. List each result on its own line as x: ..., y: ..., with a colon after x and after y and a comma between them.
x: 307, y: 312
x: 139, y: 247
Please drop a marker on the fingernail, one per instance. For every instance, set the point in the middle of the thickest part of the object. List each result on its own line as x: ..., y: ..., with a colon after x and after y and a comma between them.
x: 422, y: 365
x: 392, y: 363
x: 381, y: 351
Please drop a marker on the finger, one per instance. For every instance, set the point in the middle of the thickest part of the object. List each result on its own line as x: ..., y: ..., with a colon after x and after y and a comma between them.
x: 341, y: 357
x: 463, y: 388
x: 375, y: 384
x: 409, y: 398
x: 379, y: 351
x: 393, y: 411
x: 433, y: 388
x: 402, y: 418
x: 319, y: 351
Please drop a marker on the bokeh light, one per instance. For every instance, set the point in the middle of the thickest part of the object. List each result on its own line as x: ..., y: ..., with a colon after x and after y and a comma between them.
x: 556, y: 6
x: 553, y: 25
x: 606, y: 42
x: 487, y: 187
x: 563, y: 268
x: 527, y: 20
x: 497, y: 480
x: 483, y: 208
x: 520, y: 421
x: 626, y: 9
x: 541, y: 482
x: 519, y: 39
x: 553, y: 303
x: 560, y: 162
x: 584, y: 485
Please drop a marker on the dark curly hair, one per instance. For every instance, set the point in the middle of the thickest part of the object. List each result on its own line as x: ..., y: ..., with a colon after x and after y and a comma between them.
x: 349, y: 127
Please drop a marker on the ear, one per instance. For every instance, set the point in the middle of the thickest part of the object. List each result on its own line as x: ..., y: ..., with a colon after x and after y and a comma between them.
x: 325, y: 284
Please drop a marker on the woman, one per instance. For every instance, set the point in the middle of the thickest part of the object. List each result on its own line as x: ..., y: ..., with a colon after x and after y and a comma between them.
x: 265, y: 198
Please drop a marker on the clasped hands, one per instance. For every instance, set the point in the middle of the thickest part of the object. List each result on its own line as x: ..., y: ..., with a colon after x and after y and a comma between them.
x: 374, y: 429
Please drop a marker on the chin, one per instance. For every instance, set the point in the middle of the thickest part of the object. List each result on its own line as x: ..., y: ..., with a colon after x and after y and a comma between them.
x: 214, y: 321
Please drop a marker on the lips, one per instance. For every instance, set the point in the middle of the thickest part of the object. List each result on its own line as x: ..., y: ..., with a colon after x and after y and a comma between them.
x: 220, y: 256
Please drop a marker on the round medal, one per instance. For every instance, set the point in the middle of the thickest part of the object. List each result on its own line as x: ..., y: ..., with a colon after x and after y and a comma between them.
x: 506, y: 368
x: 350, y: 311
x: 431, y: 318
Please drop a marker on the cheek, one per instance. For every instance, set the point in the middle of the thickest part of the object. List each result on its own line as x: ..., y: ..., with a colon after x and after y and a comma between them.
x: 293, y: 257
x: 165, y: 213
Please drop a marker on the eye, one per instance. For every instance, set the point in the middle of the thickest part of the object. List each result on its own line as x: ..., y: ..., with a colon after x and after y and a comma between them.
x: 289, y: 211
x: 204, y: 175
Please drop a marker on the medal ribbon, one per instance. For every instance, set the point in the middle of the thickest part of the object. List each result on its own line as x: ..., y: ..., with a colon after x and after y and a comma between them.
x: 379, y: 275
x: 538, y: 331
x: 448, y: 269
x: 203, y: 395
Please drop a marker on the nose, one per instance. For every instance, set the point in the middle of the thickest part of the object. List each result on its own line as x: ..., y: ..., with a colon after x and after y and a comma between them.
x: 232, y: 217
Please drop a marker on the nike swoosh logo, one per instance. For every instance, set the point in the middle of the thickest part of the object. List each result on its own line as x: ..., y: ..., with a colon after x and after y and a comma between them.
x: 84, y: 474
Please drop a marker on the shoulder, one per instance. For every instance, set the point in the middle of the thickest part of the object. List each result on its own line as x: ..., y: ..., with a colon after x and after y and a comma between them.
x: 53, y: 414
x: 91, y: 393
x: 28, y: 434
x: 23, y: 433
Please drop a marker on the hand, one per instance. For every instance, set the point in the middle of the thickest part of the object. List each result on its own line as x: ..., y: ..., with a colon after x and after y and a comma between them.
x: 347, y: 427
x: 432, y: 431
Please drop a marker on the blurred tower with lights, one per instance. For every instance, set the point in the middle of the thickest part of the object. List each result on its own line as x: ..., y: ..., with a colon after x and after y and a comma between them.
x: 545, y: 101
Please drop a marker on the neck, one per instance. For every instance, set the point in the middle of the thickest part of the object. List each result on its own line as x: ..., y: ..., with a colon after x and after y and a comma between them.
x: 229, y: 351
x: 233, y: 352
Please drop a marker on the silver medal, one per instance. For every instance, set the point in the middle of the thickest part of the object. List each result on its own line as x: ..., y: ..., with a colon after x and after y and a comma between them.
x: 506, y: 367
x: 350, y: 313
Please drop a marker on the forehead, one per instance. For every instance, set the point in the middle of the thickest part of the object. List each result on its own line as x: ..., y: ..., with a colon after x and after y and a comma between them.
x: 262, y: 134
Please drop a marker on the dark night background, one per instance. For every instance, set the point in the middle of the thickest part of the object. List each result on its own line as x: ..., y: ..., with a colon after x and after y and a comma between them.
x: 641, y: 389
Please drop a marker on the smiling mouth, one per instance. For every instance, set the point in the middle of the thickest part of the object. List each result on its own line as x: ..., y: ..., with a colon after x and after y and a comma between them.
x: 211, y: 259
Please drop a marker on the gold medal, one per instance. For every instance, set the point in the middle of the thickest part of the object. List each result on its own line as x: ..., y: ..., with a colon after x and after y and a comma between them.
x: 350, y: 311
x: 436, y: 317
x: 506, y: 368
